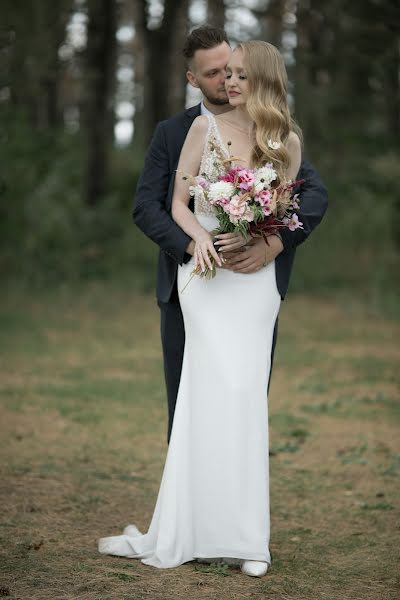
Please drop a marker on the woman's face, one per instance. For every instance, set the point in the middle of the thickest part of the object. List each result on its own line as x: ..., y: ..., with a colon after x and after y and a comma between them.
x: 236, y: 83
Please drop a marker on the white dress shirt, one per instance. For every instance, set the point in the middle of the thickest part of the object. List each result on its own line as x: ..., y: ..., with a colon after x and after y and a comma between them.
x: 204, y: 110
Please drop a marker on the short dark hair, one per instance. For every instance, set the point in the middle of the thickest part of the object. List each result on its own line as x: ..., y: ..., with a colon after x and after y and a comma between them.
x: 203, y: 38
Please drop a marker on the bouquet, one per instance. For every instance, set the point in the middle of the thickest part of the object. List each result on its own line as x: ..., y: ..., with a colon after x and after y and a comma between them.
x: 251, y: 202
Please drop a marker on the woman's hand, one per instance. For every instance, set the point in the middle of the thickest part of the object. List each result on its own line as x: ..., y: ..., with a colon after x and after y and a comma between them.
x: 228, y: 242
x: 203, y: 248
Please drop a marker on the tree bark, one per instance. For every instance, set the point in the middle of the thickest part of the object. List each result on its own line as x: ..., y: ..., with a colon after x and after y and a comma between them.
x: 140, y: 60
x: 216, y: 13
x: 271, y: 21
x: 311, y: 96
x: 164, y: 82
x: 98, y: 102
x: 35, y: 36
x: 176, y: 79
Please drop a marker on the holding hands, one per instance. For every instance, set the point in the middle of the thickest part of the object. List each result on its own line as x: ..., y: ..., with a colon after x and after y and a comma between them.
x: 206, y: 246
x: 254, y: 256
x: 234, y: 251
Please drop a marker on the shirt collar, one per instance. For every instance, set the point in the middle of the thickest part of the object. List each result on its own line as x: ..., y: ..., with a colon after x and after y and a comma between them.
x: 204, y: 110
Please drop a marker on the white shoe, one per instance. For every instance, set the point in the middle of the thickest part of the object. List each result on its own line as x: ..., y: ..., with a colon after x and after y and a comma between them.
x: 255, y: 568
x: 132, y: 531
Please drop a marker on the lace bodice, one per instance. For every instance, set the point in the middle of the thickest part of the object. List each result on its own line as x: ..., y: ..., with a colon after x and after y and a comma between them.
x: 214, y: 153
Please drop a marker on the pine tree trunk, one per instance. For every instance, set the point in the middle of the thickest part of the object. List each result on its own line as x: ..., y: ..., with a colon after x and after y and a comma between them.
x: 140, y: 61
x: 176, y: 96
x: 164, y: 81
x: 33, y: 62
x: 216, y: 13
x: 271, y: 22
x: 98, y: 102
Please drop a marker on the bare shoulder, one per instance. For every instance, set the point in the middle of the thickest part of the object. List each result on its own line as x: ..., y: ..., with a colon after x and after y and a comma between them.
x: 293, y: 146
x: 199, y: 125
x: 195, y: 139
x: 293, y: 143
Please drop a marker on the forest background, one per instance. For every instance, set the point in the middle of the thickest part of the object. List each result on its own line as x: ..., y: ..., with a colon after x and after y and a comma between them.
x: 83, y: 409
x: 84, y: 83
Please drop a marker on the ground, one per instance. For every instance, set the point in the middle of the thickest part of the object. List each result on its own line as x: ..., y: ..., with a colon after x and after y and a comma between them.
x: 83, y: 443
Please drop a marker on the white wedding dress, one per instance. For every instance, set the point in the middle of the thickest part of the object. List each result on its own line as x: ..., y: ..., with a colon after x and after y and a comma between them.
x: 213, y: 499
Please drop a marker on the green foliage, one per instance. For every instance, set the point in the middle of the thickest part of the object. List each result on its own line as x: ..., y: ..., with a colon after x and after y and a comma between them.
x: 355, y: 246
x: 48, y: 235
x: 47, y: 232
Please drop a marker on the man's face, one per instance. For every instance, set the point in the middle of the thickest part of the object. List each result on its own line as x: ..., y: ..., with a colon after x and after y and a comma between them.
x: 208, y: 72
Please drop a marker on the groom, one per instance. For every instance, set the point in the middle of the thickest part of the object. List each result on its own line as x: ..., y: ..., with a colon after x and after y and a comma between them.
x: 207, y: 53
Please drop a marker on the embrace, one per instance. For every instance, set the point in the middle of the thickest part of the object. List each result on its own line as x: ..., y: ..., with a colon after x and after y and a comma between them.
x: 210, y: 195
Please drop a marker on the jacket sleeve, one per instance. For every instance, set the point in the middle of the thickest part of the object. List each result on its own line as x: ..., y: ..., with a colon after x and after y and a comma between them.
x: 150, y: 213
x: 313, y: 201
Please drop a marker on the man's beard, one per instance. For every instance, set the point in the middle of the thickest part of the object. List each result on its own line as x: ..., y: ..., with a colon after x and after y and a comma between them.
x: 217, y: 100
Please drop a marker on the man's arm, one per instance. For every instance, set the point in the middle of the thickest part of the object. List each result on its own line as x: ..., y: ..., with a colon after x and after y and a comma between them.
x: 150, y: 213
x: 313, y: 200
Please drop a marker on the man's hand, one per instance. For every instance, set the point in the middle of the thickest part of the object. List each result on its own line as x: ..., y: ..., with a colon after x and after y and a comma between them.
x: 256, y: 254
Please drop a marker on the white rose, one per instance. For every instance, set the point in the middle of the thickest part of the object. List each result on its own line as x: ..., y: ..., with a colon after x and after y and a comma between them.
x: 264, y: 177
x: 220, y: 189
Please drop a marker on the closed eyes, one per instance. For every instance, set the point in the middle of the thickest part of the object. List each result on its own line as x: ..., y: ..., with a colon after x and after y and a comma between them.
x: 242, y: 77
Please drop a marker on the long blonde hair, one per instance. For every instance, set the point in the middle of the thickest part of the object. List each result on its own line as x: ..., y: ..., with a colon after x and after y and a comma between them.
x: 267, y: 103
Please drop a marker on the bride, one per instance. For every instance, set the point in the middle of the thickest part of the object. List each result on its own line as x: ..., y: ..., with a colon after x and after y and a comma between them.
x: 213, y: 501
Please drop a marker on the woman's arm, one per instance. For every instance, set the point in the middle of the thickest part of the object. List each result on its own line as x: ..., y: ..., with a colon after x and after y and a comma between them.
x: 189, y: 164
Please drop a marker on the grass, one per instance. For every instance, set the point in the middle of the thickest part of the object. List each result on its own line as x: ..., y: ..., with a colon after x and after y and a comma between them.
x: 83, y: 444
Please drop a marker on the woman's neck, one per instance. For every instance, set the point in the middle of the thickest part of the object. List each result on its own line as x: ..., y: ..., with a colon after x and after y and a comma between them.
x: 243, y: 119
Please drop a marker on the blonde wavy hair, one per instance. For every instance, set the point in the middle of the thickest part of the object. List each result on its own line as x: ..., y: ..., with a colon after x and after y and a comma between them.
x: 267, y: 103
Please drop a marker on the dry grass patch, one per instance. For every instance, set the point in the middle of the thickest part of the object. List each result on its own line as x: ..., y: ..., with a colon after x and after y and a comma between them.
x: 83, y: 445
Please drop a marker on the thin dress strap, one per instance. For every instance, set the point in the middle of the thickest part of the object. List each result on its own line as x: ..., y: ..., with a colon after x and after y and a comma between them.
x: 213, y: 128
x: 211, y: 165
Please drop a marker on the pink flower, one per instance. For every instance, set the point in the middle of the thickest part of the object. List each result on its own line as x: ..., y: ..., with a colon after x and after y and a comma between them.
x: 267, y: 210
x: 294, y: 201
x: 245, y: 179
x: 202, y: 182
x: 231, y: 174
x: 293, y: 223
x: 236, y: 207
x: 264, y: 197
